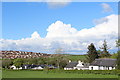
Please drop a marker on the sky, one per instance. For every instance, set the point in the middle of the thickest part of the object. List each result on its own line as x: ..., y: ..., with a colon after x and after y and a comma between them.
x: 47, y: 26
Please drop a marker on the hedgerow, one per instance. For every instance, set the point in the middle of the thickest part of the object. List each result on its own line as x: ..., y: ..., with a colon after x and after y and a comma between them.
x: 104, y: 72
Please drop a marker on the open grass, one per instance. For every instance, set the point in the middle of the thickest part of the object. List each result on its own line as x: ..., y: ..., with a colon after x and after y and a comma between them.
x: 44, y: 74
x: 76, y: 57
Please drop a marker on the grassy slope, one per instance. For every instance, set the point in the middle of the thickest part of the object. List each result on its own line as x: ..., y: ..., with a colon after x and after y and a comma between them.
x: 43, y: 74
x: 83, y: 57
x: 76, y: 57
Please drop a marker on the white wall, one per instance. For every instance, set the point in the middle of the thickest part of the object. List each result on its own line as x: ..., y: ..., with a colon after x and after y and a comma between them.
x: 68, y: 68
x: 100, y: 68
x: 80, y: 64
x: 14, y: 67
x: 38, y: 67
x: 93, y: 68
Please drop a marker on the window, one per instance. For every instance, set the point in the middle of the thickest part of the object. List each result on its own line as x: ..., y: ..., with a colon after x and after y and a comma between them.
x: 98, y: 67
x: 112, y: 67
x: 91, y: 68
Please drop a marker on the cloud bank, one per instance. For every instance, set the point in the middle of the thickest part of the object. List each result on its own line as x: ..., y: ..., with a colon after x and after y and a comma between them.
x: 61, y: 35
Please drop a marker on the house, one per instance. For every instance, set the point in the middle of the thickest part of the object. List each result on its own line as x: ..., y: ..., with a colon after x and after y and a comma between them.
x: 82, y: 66
x: 27, y: 67
x: 14, y: 67
x: 103, y: 64
x: 77, y: 66
x: 33, y: 66
x: 51, y: 67
x: 37, y: 67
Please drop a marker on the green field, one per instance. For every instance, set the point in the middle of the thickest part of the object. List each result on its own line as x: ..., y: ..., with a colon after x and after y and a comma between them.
x: 44, y: 74
x: 76, y: 57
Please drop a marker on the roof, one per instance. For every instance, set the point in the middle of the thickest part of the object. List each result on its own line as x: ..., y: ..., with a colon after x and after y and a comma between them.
x: 86, y: 65
x: 71, y: 64
x: 104, y: 62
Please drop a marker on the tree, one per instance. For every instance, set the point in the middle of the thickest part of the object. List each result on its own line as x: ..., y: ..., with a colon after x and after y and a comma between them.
x: 18, y: 62
x: 59, y: 51
x: 118, y: 57
x: 59, y: 58
x: 92, y: 53
x: 41, y: 61
x: 63, y: 62
x: 99, y: 53
x: 118, y: 43
x: 105, y: 48
x: 33, y: 61
x: 118, y: 60
x: 60, y: 61
x: 30, y: 61
x: 6, y: 63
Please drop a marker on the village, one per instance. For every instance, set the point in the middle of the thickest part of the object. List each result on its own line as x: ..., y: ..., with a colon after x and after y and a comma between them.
x: 59, y: 40
x: 97, y: 64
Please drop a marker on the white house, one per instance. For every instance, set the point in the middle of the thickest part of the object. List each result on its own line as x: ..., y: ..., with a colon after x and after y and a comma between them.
x: 14, y: 67
x: 82, y: 66
x: 103, y: 64
x: 77, y: 66
x: 39, y: 67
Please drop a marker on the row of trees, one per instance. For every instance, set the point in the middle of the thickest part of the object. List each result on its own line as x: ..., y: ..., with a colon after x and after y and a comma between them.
x: 57, y: 60
x: 94, y: 54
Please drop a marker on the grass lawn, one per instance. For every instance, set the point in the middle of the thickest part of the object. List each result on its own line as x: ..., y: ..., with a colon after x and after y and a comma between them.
x: 43, y: 74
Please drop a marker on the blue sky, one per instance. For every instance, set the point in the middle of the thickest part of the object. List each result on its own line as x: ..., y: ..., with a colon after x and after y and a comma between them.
x: 45, y: 27
x: 21, y: 19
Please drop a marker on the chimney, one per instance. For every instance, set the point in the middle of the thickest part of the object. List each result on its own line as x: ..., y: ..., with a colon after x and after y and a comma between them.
x: 69, y: 61
x: 79, y: 62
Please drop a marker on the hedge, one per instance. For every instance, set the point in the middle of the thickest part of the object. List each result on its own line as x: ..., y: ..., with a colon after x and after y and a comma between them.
x: 104, y: 72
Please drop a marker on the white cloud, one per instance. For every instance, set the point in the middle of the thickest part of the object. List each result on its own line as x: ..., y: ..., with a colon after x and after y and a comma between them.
x: 59, y: 29
x: 61, y: 35
x: 106, y: 7
x: 53, y: 3
x: 35, y: 35
x: 57, y: 3
x: 50, y: 3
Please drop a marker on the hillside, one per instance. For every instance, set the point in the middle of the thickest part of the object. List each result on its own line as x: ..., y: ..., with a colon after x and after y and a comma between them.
x: 24, y: 54
x: 21, y: 54
x: 76, y: 57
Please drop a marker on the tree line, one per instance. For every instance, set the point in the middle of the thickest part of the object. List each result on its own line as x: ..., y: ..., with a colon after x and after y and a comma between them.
x: 57, y: 60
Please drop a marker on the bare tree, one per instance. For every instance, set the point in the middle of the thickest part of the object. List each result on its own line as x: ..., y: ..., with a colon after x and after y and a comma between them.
x: 59, y: 57
x: 105, y: 52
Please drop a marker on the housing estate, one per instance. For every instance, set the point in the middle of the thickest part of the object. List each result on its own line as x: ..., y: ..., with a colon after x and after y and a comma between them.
x: 21, y: 54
